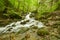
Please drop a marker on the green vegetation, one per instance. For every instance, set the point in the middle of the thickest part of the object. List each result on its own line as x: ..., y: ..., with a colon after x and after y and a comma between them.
x: 42, y: 32
x: 19, y: 7
x: 22, y: 30
x: 46, y: 11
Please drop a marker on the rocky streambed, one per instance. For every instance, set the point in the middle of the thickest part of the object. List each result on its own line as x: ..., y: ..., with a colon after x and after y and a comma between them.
x: 27, y: 22
x: 50, y: 32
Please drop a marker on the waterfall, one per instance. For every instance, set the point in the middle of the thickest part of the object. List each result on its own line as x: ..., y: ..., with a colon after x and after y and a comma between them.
x: 15, y: 26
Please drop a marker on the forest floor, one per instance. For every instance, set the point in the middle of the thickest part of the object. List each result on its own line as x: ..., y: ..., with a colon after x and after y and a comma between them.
x: 50, y: 32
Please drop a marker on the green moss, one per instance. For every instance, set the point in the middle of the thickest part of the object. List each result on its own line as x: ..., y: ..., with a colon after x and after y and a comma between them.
x: 34, y: 27
x: 42, y: 32
x: 22, y: 30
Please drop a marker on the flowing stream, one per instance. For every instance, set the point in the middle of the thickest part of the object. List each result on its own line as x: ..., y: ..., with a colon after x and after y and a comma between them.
x: 27, y: 22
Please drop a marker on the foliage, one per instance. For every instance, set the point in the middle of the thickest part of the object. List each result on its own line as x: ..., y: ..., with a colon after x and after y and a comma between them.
x: 24, y: 6
x: 46, y: 6
x: 2, y: 6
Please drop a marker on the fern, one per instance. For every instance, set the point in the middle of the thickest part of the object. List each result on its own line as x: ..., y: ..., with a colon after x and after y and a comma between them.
x: 46, y: 6
x: 30, y: 5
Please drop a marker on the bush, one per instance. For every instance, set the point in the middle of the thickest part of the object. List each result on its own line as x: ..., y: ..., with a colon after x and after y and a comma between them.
x: 33, y: 5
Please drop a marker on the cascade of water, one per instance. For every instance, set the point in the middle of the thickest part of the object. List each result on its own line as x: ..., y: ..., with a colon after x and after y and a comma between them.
x: 18, y: 25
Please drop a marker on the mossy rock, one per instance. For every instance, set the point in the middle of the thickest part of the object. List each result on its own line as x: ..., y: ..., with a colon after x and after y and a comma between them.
x: 34, y: 27
x: 23, y: 30
x: 42, y: 32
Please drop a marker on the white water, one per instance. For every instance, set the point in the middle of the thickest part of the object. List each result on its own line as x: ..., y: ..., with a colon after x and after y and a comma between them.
x: 18, y: 25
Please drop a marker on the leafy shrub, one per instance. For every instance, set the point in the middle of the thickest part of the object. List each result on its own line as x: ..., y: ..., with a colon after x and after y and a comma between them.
x: 30, y: 6
x: 46, y: 6
x: 2, y: 6
x: 25, y: 5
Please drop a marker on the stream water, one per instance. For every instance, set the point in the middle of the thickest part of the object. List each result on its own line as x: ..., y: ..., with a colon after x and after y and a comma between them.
x: 27, y: 22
